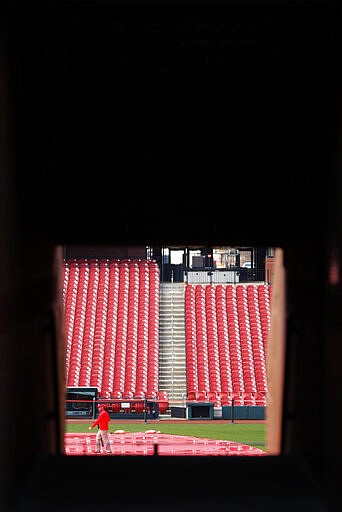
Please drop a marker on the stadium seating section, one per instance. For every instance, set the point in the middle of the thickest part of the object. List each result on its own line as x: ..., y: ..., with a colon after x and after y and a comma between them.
x: 112, y: 335
x: 226, y: 343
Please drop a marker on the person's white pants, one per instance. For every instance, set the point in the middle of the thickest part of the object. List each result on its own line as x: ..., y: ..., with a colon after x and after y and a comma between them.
x: 102, y: 435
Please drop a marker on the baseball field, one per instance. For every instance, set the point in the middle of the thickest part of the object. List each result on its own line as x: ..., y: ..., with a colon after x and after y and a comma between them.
x: 250, y: 433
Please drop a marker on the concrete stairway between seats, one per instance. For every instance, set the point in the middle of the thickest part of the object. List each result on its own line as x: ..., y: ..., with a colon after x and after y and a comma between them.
x: 172, y: 371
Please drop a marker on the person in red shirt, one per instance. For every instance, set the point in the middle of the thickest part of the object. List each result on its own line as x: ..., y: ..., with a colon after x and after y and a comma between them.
x: 102, y: 433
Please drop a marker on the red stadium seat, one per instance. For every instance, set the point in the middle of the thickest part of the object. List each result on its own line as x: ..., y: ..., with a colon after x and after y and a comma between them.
x: 191, y: 395
x: 201, y: 396
x: 139, y: 405
x: 163, y: 402
x: 116, y: 406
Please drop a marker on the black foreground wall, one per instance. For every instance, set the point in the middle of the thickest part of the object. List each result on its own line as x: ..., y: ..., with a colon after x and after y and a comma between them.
x: 134, y: 123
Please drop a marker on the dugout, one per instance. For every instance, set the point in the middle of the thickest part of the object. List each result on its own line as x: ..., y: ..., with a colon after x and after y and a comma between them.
x: 80, y: 402
x: 200, y: 410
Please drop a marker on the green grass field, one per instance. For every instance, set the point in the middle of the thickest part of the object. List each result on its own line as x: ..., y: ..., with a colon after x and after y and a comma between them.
x: 246, y: 433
